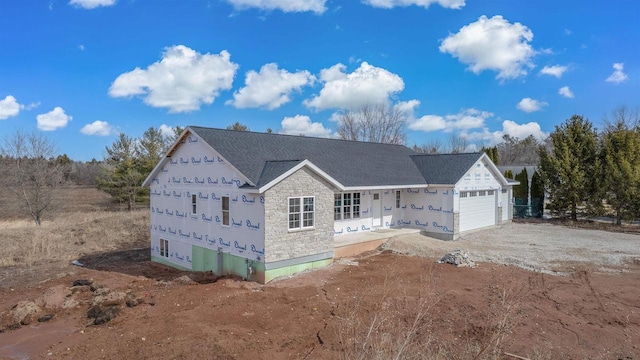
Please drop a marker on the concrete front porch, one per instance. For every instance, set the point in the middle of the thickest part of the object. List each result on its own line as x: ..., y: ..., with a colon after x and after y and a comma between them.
x: 354, y: 244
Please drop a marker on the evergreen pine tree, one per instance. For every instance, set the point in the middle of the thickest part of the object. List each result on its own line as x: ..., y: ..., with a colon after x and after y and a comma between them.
x: 569, y: 170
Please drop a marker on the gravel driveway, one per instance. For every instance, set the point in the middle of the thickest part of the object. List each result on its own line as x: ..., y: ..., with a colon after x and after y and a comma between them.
x: 541, y: 247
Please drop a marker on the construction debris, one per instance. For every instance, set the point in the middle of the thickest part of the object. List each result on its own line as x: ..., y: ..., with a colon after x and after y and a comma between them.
x: 458, y: 258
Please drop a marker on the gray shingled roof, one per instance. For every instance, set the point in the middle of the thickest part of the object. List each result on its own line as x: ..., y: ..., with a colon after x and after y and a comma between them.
x: 352, y: 163
x: 444, y: 169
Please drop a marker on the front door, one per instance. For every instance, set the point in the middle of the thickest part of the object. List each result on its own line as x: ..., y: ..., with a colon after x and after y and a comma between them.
x: 376, y: 211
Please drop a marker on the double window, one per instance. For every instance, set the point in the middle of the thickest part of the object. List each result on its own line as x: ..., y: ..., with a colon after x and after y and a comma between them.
x: 346, y: 206
x: 164, y: 248
x: 301, y: 212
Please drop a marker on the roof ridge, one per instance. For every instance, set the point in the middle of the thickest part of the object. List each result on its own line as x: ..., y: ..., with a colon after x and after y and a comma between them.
x: 296, y: 136
x: 440, y: 154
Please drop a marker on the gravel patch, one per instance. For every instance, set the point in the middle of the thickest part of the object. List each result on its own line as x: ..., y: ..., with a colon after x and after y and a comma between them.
x: 539, y: 247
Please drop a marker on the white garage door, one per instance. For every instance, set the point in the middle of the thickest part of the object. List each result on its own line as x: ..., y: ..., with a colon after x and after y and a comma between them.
x: 477, y: 209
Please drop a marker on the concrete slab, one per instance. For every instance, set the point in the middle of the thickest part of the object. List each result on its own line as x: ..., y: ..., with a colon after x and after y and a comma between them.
x: 354, y: 244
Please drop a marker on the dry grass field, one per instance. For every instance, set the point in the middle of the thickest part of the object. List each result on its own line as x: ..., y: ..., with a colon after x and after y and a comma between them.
x: 85, y: 222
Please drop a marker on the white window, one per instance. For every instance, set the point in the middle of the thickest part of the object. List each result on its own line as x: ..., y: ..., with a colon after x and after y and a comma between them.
x: 337, y: 207
x: 473, y: 194
x: 397, y: 199
x: 356, y: 205
x: 225, y: 210
x: 464, y: 194
x: 164, y: 248
x: 194, y: 204
x: 301, y: 213
x: 346, y: 206
x: 482, y: 193
x: 490, y: 192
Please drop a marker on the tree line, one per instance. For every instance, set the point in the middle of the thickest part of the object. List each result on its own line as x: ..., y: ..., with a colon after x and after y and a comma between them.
x: 591, y: 172
x: 581, y: 171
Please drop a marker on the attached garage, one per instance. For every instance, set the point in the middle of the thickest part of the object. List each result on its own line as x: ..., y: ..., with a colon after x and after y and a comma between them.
x: 477, y: 209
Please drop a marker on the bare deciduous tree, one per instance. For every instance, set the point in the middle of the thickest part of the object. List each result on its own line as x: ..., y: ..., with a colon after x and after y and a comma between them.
x: 457, y: 144
x: 435, y: 146
x: 32, y: 173
x: 514, y: 151
x: 375, y: 123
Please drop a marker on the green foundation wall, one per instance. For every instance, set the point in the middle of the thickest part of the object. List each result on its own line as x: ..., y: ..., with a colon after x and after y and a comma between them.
x: 165, y: 262
x: 290, y: 270
x: 207, y: 260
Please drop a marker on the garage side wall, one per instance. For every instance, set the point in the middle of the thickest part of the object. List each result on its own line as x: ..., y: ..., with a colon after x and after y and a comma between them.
x: 477, y: 196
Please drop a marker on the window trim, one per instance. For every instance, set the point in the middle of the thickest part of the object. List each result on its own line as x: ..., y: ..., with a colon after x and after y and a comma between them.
x: 227, y: 211
x: 301, y: 213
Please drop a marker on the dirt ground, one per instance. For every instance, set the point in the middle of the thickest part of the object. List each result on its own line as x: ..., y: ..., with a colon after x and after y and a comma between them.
x: 362, y: 308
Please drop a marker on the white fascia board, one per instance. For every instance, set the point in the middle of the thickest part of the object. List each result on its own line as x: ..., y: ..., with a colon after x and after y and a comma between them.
x: 302, y: 164
x: 494, y: 169
x: 166, y: 156
x: 181, y: 141
x: 246, y: 179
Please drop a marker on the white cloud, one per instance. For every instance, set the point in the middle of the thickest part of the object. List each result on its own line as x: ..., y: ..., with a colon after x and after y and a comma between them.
x: 302, y: 125
x: 53, y: 120
x: 492, y: 44
x: 566, y: 92
x: 167, y: 130
x: 81, y: 47
x: 9, y: 107
x: 388, y: 4
x: 531, y: 105
x: 465, y: 120
x: 407, y: 107
x: 367, y: 84
x: 270, y: 88
x: 316, y: 6
x: 182, y: 81
x: 555, y: 70
x: 510, y: 128
x: 91, y: 4
x: 618, y: 76
x: 99, y: 128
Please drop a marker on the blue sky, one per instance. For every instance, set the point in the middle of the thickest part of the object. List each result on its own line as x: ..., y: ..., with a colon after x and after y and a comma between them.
x: 84, y: 70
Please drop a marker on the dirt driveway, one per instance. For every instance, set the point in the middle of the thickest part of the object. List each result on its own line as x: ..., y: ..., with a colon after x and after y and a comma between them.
x: 541, y: 247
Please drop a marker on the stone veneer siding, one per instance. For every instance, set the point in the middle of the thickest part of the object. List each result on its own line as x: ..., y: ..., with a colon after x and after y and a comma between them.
x: 282, y: 244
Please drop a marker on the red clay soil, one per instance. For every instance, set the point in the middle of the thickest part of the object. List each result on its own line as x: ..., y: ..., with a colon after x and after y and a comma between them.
x: 338, y: 312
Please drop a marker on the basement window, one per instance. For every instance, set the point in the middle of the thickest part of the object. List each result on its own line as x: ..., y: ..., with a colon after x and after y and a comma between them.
x: 164, y: 248
x: 225, y: 210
